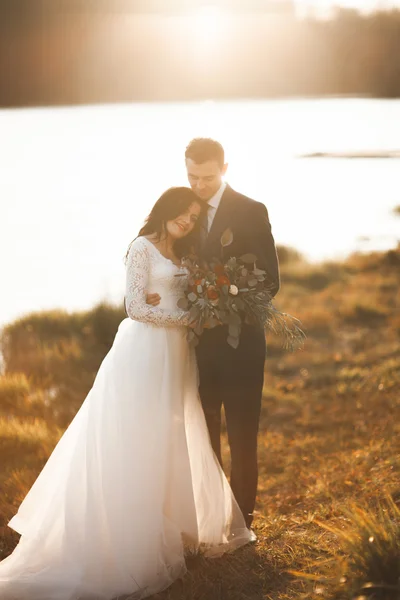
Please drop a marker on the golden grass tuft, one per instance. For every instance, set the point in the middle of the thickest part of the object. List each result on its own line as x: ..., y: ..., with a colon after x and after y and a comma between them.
x: 369, y: 564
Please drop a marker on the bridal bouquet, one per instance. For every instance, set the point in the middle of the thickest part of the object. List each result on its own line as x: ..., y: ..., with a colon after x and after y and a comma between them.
x: 230, y: 293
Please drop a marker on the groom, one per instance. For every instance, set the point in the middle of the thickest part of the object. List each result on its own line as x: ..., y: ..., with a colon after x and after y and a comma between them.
x: 229, y: 377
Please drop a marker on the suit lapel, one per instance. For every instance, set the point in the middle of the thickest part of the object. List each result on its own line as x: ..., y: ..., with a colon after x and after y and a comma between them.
x: 222, y: 217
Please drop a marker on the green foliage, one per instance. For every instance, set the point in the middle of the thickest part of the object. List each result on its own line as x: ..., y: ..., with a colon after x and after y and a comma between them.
x: 232, y: 293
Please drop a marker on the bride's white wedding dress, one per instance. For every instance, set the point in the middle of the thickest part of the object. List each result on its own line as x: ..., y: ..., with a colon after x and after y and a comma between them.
x: 133, y: 484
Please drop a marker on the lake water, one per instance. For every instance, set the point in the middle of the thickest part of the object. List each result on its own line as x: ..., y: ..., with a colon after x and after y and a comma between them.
x: 77, y: 182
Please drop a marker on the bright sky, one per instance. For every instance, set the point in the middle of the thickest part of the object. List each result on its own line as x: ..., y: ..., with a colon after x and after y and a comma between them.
x: 211, y: 15
x: 209, y: 20
x: 362, y: 5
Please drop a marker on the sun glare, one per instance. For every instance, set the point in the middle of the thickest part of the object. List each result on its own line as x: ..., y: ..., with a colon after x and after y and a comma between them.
x: 207, y: 25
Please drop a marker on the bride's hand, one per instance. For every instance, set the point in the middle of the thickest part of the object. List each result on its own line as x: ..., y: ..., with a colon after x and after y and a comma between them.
x: 205, y: 326
x: 153, y: 299
x: 194, y: 324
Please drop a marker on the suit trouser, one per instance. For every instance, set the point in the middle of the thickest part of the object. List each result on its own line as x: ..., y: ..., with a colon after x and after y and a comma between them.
x: 234, y: 379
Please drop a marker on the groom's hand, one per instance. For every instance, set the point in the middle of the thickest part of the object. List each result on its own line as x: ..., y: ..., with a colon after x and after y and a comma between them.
x: 153, y: 299
x: 207, y: 326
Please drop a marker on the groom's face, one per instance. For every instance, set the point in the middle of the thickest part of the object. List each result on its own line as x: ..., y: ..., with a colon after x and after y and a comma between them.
x: 205, y: 178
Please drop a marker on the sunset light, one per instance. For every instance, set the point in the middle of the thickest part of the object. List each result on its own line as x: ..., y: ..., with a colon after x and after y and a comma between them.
x: 206, y: 24
x: 199, y: 325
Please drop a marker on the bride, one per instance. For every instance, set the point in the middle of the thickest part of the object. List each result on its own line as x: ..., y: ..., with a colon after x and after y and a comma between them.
x: 133, y: 484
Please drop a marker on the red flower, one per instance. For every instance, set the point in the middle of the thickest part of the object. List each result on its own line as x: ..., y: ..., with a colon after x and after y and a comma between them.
x: 223, y: 280
x: 219, y: 270
x: 212, y: 293
x: 193, y: 287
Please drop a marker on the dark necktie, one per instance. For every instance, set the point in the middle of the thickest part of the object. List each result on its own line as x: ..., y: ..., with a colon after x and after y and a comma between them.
x: 203, y: 230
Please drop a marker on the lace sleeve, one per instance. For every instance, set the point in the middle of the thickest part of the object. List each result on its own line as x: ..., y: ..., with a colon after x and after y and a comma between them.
x: 137, y: 274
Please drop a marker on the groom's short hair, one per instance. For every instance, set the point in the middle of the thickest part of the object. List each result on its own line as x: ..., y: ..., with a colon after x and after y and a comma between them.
x: 200, y: 150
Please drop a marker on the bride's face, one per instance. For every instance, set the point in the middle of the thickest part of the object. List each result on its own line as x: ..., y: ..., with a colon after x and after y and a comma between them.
x: 184, y: 223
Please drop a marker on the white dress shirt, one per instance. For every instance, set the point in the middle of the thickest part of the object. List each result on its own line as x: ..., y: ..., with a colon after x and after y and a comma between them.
x: 213, y: 204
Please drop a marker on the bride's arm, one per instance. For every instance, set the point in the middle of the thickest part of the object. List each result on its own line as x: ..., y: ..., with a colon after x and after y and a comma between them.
x: 137, y: 275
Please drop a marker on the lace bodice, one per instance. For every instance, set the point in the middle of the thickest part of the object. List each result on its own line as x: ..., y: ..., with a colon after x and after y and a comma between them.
x: 148, y: 271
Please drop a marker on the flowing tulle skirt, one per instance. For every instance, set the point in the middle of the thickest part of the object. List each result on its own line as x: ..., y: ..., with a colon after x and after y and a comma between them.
x: 132, y: 485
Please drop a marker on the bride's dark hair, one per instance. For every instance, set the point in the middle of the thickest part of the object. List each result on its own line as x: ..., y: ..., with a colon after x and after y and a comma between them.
x: 173, y: 202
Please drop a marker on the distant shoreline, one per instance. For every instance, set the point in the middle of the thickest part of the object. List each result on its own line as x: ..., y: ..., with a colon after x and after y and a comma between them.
x: 355, y: 154
x: 215, y: 99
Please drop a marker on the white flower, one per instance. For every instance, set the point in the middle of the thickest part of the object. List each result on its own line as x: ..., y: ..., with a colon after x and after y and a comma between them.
x: 233, y: 290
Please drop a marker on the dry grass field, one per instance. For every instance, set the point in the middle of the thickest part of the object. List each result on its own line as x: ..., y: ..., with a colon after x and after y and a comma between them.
x: 328, y: 519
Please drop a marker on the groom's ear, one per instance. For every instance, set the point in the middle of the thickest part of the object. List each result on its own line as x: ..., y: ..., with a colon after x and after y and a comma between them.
x: 224, y: 169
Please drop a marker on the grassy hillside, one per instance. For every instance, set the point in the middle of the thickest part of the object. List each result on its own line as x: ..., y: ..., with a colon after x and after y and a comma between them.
x: 327, y: 521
